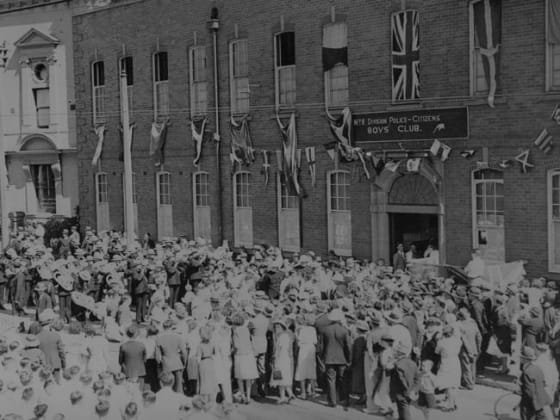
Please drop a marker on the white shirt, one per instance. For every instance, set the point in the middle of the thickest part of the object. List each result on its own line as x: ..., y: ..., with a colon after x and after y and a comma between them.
x: 476, y: 268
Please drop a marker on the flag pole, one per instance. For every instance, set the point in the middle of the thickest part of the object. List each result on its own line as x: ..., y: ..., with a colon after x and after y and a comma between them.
x: 127, y: 138
x: 5, y: 223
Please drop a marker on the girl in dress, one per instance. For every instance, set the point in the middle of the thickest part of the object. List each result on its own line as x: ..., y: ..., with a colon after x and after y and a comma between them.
x: 448, y: 377
x: 306, y: 371
x: 245, y: 364
x: 282, y: 374
x: 205, y: 358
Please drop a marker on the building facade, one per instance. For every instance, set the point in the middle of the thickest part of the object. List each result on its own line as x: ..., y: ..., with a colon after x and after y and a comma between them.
x: 481, y: 77
x: 37, y: 109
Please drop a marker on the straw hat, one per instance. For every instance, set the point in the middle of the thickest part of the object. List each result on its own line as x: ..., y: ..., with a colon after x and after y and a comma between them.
x: 528, y: 353
x: 336, y: 315
x: 31, y: 341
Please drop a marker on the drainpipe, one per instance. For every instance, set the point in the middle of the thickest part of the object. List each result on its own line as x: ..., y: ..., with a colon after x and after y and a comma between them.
x: 214, y: 24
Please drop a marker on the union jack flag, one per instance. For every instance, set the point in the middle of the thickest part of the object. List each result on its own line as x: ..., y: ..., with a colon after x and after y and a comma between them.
x: 406, y: 55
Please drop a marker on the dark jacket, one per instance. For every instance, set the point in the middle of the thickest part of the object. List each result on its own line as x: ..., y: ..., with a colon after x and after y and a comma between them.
x: 170, y: 351
x: 399, y: 261
x: 533, y: 393
x: 336, y: 344
x: 139, y: 284
x: 411, y: 324
x: 478, y: 313
x: 52, y: 346
x: 132, y: 356
x: 532, y: 331
x: 404, y: 379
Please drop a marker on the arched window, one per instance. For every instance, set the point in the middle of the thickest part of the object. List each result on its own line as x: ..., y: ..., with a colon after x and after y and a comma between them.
x: 339, y: 214
x: 242, y: 210
x: 554, y: 220
x: 201, y: 206
x: 164, y: 205
x: 488, y: 214
x: 102, y: 201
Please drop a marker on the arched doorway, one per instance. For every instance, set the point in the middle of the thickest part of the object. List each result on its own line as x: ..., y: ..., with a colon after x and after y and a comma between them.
x: 413, y: 213
x: 408, y: 207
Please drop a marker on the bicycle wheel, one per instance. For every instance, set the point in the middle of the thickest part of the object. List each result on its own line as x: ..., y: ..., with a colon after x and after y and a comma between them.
x: 506, y: 407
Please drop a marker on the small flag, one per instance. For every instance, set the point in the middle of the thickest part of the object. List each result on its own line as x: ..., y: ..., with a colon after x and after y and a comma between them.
x: 310, y: 157
x: 556, y: 115
x: 413, y: 165
x: 330, y: 147
x: 523, y: 159
x: 544, y: 141
x: 446, y: 150
x: 392, y: 166
x: 378, y: 164
x: 439, y: 127
x: 100, y: 133
x: 436, y: 145
x: 467, y: 154
x: 504, y: 164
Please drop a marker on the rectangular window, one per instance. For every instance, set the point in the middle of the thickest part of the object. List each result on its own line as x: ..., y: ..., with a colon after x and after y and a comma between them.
x: 126, y: 65
x: 554, y: 221
x: 553, y: 44
x: 42, y: 106
x: 335, y: 63
x: 287, y: 200
x: 285, y: 68
x: 98, y: 94
x: 164, y: 180
x: 198, y: 79
x: 242, y: 198
x: 102, y: 188
x: 489, y: 194
x: 202, y: 197
x: 340, y: 194
x: 239, y: 76
x: 161, y: 86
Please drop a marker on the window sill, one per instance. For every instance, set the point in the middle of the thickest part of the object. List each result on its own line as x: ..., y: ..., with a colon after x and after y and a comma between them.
x: 406, y: 105
x: 240, y: 115
x: 285, y: 112
x: 550, y: 96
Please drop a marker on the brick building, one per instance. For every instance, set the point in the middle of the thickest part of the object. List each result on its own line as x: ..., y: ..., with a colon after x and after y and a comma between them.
x: 37, y: 108
x: 271, y: 58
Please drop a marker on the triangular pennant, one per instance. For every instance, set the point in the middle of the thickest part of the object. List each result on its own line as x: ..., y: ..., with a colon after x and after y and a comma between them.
x: 467, y: 154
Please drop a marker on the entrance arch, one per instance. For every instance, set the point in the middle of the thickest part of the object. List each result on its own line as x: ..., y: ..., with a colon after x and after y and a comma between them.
x: 408, y: 207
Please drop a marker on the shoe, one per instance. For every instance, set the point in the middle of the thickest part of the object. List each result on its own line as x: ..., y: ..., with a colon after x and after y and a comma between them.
x: 282, y: 401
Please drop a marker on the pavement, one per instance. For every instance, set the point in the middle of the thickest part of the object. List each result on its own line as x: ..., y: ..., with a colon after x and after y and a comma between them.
x: 477, y: 404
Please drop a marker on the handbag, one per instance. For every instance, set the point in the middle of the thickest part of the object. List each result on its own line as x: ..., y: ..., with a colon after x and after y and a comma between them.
x: 277, y: 374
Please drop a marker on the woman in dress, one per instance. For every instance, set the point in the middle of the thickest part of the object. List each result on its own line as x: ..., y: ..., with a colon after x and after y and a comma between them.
x: 306, y: 371
x: 448, y: 377
x: 282, y: 373
x: 98, y: 351
x: 205, y: 358
x: 244, y: 362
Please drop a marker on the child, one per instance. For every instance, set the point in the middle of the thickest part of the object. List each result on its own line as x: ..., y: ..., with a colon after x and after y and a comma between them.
x: 426, y: 392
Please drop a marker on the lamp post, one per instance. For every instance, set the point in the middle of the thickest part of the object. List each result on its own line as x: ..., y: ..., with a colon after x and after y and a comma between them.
x: 5, y: 223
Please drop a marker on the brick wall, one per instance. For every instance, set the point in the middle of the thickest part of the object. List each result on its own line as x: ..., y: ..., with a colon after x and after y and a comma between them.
x: 522, y: 109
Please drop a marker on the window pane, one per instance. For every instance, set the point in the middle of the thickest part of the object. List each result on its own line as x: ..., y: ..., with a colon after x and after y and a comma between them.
x: 162, y: 99
x: 240, y: 58
x: 556, y: 181
x: 126, y: 65
x: 337, y: 85
x: 287, y: 85
x: 98, y: 73
x: 200, y: 98
x: 286, y: 49
x: 160, y: 62
x: 198, y: 65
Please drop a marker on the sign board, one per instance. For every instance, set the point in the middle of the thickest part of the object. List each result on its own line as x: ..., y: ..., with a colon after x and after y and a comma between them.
x: 423, y: 124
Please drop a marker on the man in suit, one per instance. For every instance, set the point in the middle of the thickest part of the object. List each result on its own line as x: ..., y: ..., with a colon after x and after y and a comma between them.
x: 44, y: 302
x: 478, y: 313
x: 259, y: 327
x: 140, y: 291
x: 50, y: 343
x: 132, y: 356
x: 336, y: 354
x: 171, y: 354
x: 173, y: 280
x: 534, y: 398
x: 472, y: 340
x: 399, y: 259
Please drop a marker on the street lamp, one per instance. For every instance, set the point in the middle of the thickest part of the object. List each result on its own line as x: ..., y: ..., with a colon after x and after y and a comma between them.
x: 3, y: 170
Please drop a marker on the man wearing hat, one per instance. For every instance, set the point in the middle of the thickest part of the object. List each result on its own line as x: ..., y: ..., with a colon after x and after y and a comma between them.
x: 52, y: 346
x: 140, y: 290
x: 534, y: 398
x: 472, y: 341
x: 44, y: 301
x: 336, y: 355
x: 260, y: 326
x: 404, y: 380
x: 171, y: 352
x: 532, y: 327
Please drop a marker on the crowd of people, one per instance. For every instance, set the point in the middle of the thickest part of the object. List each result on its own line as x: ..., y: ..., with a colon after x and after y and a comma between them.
x: 201, y: 330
